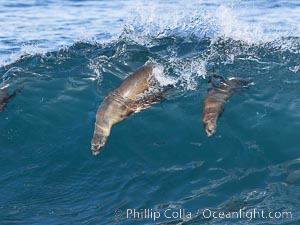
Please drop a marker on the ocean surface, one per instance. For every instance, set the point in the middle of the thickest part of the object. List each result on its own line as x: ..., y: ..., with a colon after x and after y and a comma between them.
x: 158, y: 166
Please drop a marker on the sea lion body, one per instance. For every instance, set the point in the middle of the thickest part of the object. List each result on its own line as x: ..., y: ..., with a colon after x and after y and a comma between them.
x: 214, y: 103
x: 122, y: 102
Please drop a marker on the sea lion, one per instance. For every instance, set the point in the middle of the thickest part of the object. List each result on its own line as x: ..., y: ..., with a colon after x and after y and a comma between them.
x: 132, y: 96
x: 5, y: 98
x: 222, y: 89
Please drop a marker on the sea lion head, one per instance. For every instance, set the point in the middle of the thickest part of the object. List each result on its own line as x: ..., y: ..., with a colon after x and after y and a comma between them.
x: 98, y: 143
x: 210, y: 127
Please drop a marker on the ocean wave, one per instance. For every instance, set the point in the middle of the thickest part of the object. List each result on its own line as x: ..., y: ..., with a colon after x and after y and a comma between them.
x: 187, y: 41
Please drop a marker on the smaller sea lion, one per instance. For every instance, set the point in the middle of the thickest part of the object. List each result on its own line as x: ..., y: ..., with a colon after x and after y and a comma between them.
x: 5, y: 98
x: 222, y: 89
x: 132, y: 96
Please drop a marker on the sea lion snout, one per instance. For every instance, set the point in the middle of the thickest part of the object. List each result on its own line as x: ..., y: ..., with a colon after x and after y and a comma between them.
x: 97, y: 144
x: 210, y: 128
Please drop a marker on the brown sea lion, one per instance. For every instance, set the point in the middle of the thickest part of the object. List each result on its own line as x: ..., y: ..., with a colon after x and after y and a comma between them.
x: 133, y: 95
x: 222, y: 89
x: 5, y: 98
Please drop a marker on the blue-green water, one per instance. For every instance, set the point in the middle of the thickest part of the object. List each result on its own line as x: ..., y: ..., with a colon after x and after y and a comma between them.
x: 159, y: 159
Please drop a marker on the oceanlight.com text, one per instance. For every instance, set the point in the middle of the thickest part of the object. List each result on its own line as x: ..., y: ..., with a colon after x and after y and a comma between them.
x: 170, y: 213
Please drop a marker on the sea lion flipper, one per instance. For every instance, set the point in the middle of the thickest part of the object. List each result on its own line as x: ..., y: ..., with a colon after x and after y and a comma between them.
x: 148, y: 100
x: 236, y: 82
x: 238, y: 85
x: 145, y: 103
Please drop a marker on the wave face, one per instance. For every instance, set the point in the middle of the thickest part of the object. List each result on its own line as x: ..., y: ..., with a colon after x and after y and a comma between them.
x: 160, y: 158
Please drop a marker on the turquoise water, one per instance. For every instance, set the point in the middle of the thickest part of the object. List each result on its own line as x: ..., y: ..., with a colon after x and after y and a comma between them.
x: 160, y: 159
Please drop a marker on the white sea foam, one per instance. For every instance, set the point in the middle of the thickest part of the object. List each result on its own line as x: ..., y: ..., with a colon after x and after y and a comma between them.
x: 294, y: 69
x: 161, y: 77
x: 250, y: 23
x: 240, y: 26
x: 244, y: 22
x: 184, y: 75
